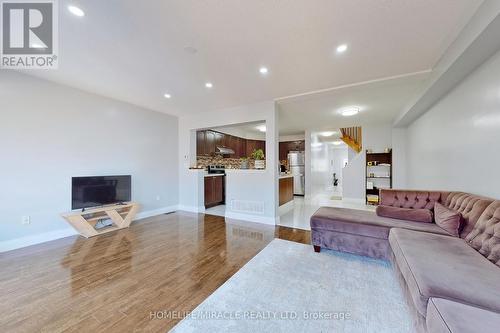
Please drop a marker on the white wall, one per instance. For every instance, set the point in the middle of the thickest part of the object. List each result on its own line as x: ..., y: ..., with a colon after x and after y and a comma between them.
x: 250, y: 186
x: 49, y: 133
x: 454, y: 145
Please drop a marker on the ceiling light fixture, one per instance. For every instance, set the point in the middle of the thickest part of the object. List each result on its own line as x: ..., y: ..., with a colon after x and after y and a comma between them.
x: 328, y: 133
x: 209, y: 85
x: 263, y: 70
x: 167, y: 96
x: 261, y: 128
x: 76, y: 11
x: 337, y: 143
x: 342, y: 48
x: 349, y: 111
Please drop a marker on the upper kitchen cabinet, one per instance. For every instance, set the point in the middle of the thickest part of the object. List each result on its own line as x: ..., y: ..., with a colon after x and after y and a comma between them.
x: 288, y: 146
x: 255, y: 144
x: 200, y: 143
x: 220, y: 139
x: 210, y: 147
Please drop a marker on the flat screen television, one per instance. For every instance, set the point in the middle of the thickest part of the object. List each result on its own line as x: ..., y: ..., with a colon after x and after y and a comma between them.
x: 100, y: 190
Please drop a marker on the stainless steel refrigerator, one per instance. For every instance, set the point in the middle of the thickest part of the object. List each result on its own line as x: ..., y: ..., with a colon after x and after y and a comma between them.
x: 296, y: 164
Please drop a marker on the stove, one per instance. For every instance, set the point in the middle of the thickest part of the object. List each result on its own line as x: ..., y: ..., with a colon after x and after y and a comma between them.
x: 219, y: 169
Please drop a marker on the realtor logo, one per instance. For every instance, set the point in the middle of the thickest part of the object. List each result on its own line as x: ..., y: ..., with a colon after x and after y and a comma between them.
x: 29, y: 34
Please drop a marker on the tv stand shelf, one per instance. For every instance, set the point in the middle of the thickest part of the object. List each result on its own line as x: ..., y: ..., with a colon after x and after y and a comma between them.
x: 84, y: 222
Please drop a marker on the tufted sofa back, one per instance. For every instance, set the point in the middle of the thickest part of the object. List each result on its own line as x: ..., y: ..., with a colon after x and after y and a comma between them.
x: 470, y: 206
x: 485, y: 237
x: 412, y: 199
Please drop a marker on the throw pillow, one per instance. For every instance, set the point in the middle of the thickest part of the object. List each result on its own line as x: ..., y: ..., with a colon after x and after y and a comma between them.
x: 448, y: 219
x: 416, y: 215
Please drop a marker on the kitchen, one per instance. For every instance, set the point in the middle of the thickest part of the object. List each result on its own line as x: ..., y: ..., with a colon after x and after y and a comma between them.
x: 223, y: 152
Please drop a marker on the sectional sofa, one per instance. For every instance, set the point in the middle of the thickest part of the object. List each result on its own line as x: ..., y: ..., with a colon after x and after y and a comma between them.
x: 451, y: 282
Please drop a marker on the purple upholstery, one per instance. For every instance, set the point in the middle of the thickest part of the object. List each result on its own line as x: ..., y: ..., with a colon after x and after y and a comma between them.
x: 412, y: 199
x: 409, y: 214
x: 444, y: 316
x: 444, y: 267
x: 470, y: 206
x: 485, y: 237
x: 463, y: 286
x: 448, y: 219
x: 358, y: 231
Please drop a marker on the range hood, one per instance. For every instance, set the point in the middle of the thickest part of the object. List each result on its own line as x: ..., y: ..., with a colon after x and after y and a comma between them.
x: 224, y: 150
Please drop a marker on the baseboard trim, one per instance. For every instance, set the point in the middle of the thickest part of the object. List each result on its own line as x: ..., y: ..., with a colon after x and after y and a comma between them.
x: 192, y: 209
x: 21, y: 242
x: 253, y: 218
x: 156, y: 212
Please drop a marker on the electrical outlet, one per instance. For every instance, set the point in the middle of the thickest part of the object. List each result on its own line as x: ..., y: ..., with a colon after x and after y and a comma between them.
x: 26, y: 219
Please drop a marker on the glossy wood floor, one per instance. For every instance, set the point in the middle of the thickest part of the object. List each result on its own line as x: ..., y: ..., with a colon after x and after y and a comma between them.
x: 113, y: 282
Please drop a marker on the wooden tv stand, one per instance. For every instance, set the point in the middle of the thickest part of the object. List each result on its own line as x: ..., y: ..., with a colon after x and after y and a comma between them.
x: 84, y: 222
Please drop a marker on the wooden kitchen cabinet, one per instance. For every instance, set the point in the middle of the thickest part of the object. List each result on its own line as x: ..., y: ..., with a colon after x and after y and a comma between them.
x: 288, y: 146
x: 200, y: 143
x: 255, y: 144
x: 210, y: 143
x: 214, y: 191
x: 220, y: 139
x: 285, y: 190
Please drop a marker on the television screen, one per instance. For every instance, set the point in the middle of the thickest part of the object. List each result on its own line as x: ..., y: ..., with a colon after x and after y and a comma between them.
x: 100, y: 190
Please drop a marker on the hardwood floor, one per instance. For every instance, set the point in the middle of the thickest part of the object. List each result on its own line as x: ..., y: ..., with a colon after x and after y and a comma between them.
x: 117, y: 281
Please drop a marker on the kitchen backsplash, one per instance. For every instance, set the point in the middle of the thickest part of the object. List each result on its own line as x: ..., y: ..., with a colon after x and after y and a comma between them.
x: 228, y: 163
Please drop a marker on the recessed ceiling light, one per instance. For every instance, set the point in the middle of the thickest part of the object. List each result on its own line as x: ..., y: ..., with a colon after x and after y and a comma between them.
x: 263, y: 70
x: 209, y: 85
x: 261, y: 128
x: 349, y: 111
x: 167, y: 96
x: 76, y: 11
x: 328, y: 133
x: 342, y: 48
x: 337, y: 143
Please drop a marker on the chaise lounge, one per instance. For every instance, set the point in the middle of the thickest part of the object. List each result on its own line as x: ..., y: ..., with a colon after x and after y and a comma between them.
x: 450, y: 276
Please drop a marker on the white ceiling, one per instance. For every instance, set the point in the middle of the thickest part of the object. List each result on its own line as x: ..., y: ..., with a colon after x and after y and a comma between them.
x: 135, y: 51
x: 379, y: 103
x: 249, y: 130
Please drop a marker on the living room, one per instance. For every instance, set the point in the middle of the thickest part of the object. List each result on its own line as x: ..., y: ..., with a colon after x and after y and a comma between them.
x: 238, y: 166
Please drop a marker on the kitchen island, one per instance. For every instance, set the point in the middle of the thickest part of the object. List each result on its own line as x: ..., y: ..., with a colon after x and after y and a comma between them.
x: 285, y: 188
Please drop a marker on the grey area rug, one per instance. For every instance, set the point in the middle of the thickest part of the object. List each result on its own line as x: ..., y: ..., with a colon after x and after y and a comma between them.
x: 289, y: 288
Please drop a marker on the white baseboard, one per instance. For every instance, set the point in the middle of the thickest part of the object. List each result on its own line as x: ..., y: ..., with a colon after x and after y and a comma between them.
x: 18, y: 243
x: 156, y: 212
x: 192, y: 209
x: 253, y: 218
x: 21, y: 242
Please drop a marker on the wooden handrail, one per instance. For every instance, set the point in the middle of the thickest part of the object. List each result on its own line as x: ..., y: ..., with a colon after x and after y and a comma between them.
x: 352, y: 136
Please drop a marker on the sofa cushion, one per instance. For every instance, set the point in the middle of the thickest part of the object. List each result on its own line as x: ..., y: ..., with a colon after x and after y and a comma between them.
x: 448, y: 219
x: 364, y: 223
x: 485, y: 237
x: 470, y: 206
x: 444, y: 267
x: 411, y: 199
x: 409, y: 214
x: 444, y: 316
